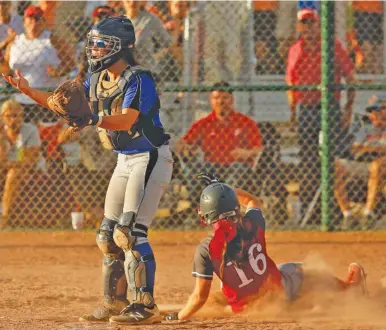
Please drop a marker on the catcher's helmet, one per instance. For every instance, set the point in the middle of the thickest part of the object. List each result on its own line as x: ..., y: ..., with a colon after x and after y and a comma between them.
x: 218, y: 201
x: 109, y: 40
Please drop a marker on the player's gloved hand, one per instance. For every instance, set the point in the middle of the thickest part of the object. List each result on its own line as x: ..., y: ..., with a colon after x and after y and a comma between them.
x: 69, y: 102
x: 208, y: 178
x: 172, y: 316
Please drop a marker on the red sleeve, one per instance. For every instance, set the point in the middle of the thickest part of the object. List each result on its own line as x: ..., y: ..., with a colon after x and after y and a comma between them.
x: 293, y: 54
x: 346, y: 65
x: 253, y: 135
x: 194, y: 135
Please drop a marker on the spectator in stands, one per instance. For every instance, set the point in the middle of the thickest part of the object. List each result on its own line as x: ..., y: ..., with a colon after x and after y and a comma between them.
x: 21, y: 7
x: 173, y: 61
x: 76, y: 175
x: 367, y: 160
x: 353, y: 49
x: 43, y: 58
x: 220, y: 41
x: 152, y: 40
x: 368, y: 24
x: 304, y: 68
x: 10, y: 25
x: 160, y: 9
x: 117, y: 6
x: 101, y: 12
x: 230, y: 142
x: 49, y: 133
x: 20, y: 154
x: 49, y: 13
x: 285, y: 29
x: 175, y: 25
x: 61, y: 154
x: 264, y: 26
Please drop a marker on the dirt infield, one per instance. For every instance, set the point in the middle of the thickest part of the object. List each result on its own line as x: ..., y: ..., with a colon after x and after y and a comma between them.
x: 47, y: 280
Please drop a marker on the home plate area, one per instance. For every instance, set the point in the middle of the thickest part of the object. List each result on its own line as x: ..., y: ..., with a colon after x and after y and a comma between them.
x: 48, y: 280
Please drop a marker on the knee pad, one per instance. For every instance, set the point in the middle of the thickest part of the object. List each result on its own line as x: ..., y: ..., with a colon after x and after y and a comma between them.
x: 126, y: 231
x: 140, y: 274
x: 104, y: 238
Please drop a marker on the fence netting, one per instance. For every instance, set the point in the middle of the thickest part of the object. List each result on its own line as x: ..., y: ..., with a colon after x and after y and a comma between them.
x: 258, y: 136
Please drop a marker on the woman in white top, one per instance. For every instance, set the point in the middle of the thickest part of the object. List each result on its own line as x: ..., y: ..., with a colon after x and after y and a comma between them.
x: 10, y: 25
x: 43, y: 58
x: 20, y: 154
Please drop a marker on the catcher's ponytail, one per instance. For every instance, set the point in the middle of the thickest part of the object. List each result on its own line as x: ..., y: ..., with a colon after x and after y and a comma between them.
x: 129, y: 57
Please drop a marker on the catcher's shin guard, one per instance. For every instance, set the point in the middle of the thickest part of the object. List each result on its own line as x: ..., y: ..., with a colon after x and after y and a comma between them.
x: 114, y: 280
x: 140, y: 273
x: 139, y: 259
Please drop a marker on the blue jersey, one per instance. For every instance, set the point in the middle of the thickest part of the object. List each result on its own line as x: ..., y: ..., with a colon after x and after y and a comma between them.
x: 141, y: 95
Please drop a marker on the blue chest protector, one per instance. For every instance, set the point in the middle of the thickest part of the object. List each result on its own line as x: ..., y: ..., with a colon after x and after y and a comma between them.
x: 106, y: 99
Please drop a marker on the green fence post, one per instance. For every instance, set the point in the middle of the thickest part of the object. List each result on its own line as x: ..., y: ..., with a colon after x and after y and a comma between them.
x: 328, y: 42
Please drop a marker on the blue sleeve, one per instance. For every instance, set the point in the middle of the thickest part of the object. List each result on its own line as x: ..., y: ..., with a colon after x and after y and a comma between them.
x: 86, y: 85
x: 141, y: 93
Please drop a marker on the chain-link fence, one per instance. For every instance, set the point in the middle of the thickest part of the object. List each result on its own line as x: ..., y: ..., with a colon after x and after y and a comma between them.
x: 262, y: 133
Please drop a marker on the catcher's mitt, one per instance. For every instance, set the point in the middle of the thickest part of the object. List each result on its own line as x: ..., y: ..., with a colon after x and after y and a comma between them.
x: 69, y: 102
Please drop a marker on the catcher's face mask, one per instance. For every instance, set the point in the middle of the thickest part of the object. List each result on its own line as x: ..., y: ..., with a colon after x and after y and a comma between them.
x: 102, y: 50
x: 100, y: 47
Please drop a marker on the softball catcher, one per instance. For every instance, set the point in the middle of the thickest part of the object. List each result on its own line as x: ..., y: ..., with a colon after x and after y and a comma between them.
x: 125, y: 108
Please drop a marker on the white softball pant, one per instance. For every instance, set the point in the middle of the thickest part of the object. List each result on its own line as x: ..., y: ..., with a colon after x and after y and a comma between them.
x: 138, y: 183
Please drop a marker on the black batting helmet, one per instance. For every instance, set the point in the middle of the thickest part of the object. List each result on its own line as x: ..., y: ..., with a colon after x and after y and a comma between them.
x: 218, y: 201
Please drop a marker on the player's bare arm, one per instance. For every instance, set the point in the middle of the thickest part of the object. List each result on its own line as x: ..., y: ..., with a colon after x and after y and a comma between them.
x: 362, y: 148
x: 196, y: 300
x: 244, y: 154
x: 23, y: 86
x: 247, y: 200
x: 122, y: 122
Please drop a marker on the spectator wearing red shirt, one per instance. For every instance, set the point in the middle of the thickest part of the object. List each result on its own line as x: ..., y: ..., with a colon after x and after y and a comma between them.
x: 230, y: 142
x: 304, y: 68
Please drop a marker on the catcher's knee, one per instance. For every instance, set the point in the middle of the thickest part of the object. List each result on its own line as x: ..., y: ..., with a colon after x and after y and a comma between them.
x: 104, y: 238
x: 127, y: 231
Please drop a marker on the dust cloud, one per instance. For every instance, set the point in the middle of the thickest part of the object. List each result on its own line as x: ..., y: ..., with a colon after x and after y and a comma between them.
x: 321, y: 301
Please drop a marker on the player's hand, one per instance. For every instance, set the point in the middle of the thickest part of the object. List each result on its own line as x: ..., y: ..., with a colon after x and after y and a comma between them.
x: 241, y: 154
x: 11, y: 33
x: 51, y: 71
x: 18, y: 82
x: 172, y: 316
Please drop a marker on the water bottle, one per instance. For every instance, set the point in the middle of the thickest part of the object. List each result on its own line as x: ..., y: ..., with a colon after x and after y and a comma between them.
x: 77, y: 218
x: 294, y: 208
